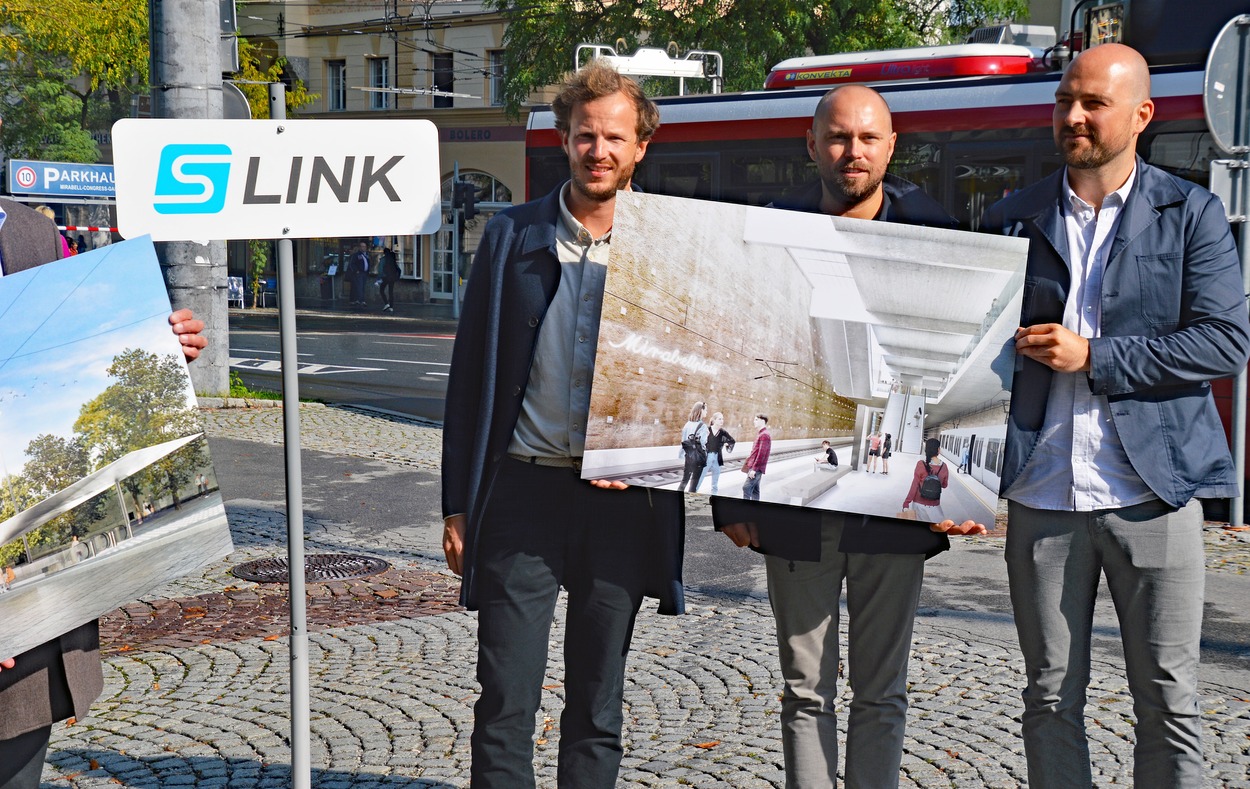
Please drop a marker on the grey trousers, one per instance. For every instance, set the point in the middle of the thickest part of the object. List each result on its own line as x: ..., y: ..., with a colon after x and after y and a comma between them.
x: 1152, y: 556
x: 882, y: 592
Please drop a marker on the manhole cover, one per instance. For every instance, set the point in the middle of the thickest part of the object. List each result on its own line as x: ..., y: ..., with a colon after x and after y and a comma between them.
x: 318, y: 567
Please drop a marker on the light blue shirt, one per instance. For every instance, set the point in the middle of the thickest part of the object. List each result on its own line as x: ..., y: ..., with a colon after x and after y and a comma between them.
x: 552, y: 423
x: 1079, y: 463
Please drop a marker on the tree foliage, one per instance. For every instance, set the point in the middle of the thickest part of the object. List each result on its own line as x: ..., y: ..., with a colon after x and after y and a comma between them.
x: 751, y: 35
x: 53, y: 464
x: 147, y: 405
x: 72, y: 66
x: 254, y: 76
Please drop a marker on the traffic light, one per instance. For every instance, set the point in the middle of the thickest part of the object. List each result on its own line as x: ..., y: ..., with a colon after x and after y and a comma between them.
x: 464, y: 196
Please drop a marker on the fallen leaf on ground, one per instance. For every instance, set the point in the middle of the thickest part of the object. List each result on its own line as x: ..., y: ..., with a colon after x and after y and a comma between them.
x: 706, y: 745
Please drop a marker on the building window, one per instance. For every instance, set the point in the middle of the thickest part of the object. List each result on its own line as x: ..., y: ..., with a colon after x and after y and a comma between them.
x: 444, y: 79
x: 336, y: 84
x: 495, y: 77
x: 379, y: 77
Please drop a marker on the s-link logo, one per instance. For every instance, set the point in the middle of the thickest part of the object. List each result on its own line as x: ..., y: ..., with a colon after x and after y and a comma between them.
x: 191, y: 179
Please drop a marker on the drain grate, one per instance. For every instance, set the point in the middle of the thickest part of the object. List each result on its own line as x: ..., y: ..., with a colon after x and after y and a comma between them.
x: 317, y: 567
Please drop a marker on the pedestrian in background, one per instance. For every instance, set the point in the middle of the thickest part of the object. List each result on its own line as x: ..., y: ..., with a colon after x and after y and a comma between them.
x: 694, y: 447
x: 757, y: 462
x: 359, y: 271
x: 388, y: 275
x: 50, y: 214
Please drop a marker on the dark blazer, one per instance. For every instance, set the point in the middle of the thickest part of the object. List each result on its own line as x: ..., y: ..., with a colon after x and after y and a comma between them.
x: 1173, y: 318
x: 28, y: 238
x: 792, y: 532
x: 514, y: 278
x: 61, y: 677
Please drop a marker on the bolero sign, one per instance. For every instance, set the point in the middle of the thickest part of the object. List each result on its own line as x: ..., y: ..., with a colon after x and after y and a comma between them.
x: 198, y: 179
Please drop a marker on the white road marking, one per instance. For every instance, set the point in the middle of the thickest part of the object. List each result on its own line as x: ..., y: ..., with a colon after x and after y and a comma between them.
x: 405, y: 361
x: 261, y: 350
x: 305, y: 368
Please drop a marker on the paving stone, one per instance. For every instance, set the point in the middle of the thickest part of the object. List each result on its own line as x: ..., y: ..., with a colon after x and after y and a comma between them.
x: 203, y: 700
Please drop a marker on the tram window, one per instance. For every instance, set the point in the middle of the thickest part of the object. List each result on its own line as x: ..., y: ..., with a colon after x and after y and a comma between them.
x: 546, y: 172
x: 991, y: 460
x: 920, y: 163
x: 981, y: 175
x: 1186, y: 155
x: 758, y: 179
x: 679, y: 176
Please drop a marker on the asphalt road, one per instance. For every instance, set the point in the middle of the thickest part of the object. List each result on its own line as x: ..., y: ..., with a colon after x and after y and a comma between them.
x: 393, y: 364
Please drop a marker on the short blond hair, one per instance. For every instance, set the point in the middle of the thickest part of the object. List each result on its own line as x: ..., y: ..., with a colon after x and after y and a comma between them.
x: 596, y: 80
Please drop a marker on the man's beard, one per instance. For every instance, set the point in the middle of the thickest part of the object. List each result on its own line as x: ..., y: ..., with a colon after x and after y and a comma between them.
x: 600, y: 192
x: 1094, y: 154
x: 851, y: 191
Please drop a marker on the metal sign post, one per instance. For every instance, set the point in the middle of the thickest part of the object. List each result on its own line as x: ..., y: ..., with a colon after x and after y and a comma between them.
x: 301, y: 732
x: 1226, y: 104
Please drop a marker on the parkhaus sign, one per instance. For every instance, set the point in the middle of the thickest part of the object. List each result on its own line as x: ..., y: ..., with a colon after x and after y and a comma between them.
x: 199, y: 179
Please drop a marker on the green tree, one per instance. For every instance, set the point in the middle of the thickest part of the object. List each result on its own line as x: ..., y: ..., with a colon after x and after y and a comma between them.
x: 82, y: 58
x: 53, y: 464
x: 14, y: 497
x: 49, y: 125
x: 751, y: 35
x: 146, y: 405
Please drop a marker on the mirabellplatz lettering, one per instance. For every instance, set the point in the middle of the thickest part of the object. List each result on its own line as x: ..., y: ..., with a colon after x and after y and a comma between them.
x: 691, y: 362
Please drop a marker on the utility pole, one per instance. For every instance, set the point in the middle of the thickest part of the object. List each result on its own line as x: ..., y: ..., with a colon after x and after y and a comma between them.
x: 185, y: 78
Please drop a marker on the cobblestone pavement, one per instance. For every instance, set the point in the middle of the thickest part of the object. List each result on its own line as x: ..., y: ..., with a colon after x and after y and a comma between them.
x: 201, y: 698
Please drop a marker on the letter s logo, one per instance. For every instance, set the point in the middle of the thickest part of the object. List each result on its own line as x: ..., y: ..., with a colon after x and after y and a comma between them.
x: 191, y: 179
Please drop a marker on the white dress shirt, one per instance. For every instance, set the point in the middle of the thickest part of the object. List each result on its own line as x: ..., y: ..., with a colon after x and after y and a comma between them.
x: 1079, y: 463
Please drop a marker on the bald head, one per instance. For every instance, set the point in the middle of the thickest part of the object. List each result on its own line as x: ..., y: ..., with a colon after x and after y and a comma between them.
x: 851, y: 141
x: 851, y: 98
x: 1124, y: 65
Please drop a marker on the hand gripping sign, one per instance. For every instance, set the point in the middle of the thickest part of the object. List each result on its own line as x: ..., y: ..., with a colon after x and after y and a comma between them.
x: 199, y: 179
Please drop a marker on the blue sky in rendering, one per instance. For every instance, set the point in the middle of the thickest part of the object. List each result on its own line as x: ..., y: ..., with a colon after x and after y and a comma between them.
x: 61, y: 324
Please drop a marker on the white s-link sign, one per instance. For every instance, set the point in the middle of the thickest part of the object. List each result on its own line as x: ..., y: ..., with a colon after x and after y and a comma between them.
x: 200, y: 179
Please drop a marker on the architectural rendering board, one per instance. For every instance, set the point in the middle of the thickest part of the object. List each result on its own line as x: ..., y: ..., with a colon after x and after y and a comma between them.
x: 838, y: 330
x: 106, y: 488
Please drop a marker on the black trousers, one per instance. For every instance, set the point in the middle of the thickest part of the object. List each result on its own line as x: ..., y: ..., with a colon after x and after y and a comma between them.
x: 21, y: 759
x: 544, y: 528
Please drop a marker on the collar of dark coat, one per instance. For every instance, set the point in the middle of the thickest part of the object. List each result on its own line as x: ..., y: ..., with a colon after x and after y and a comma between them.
x: 540, y: 232
x: 1154, y: 190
